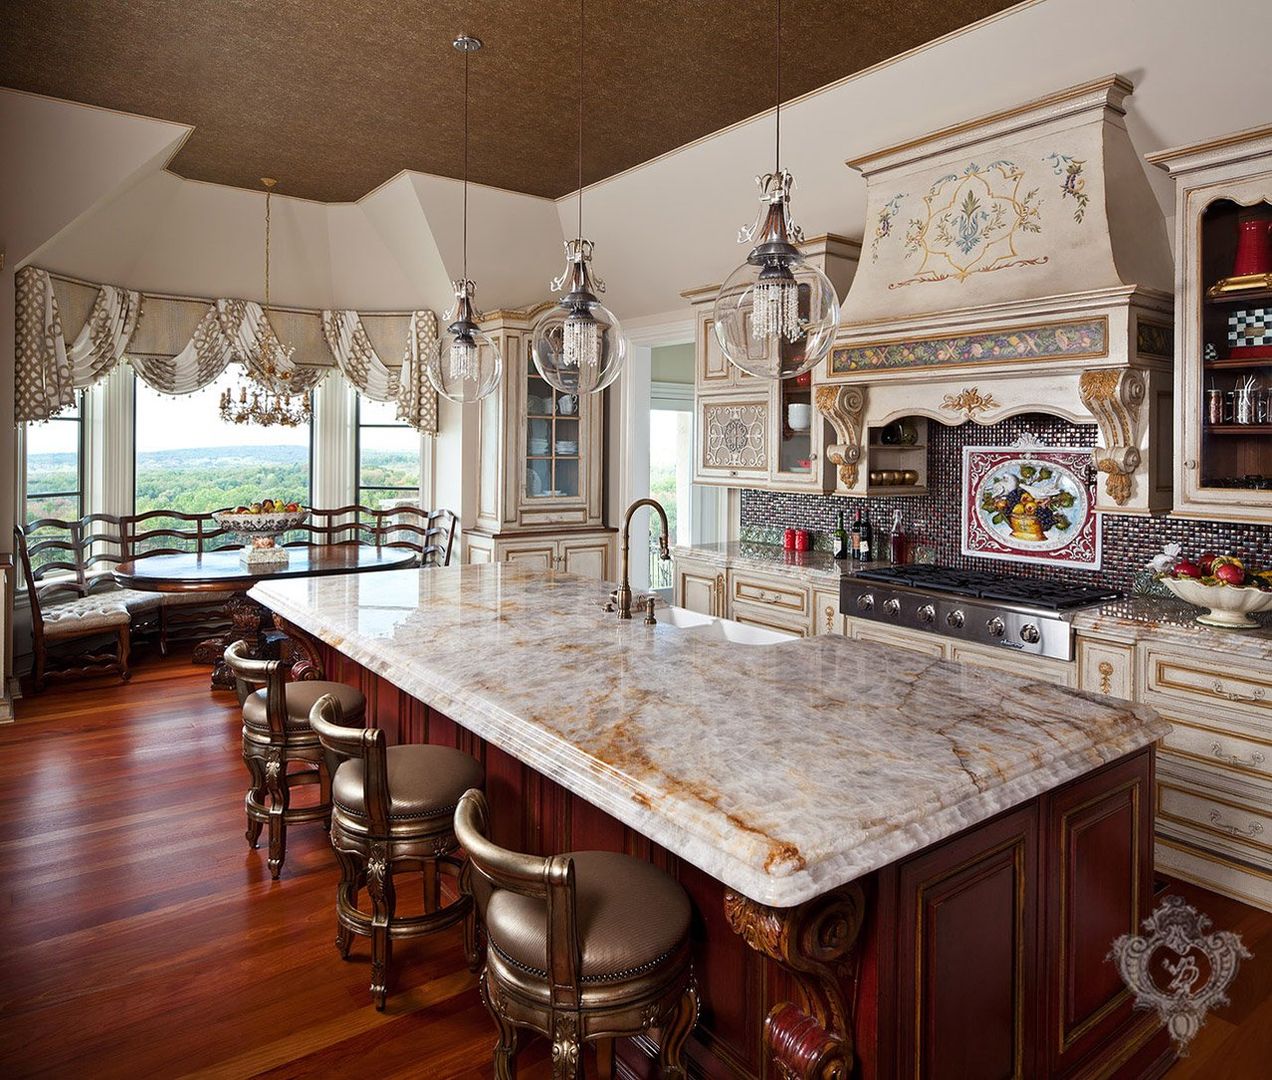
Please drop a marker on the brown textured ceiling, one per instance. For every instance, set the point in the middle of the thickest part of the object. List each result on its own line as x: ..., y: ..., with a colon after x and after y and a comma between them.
x: 336, y: 96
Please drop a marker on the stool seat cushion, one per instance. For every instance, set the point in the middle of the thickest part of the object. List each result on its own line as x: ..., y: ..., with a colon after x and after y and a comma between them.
x: 300, y: 697
x: 629, y: 915
x: 424, y: 781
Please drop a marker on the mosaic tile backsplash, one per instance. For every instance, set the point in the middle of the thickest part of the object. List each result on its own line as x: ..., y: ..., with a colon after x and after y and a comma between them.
x: 1129, y: 542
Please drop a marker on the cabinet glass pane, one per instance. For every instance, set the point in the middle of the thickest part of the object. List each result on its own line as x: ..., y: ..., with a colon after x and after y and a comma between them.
x: 567, y: 476
x: 1236, y: 368
x: 796, y: 418
x: 538, y: 477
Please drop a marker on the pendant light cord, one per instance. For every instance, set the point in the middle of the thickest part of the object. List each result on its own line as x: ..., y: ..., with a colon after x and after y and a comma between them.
x: 465, y: 170
x: 777, y: 138
x: 581, y: 24
x: 268, y: 191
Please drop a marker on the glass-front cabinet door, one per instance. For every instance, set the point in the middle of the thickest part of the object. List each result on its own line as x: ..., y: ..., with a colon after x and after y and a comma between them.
x: 552, y: 442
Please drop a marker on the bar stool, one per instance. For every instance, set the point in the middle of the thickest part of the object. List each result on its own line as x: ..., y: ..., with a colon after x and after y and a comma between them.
x: 584, y: 946
x: 393, y: 809
x: 276, y: 733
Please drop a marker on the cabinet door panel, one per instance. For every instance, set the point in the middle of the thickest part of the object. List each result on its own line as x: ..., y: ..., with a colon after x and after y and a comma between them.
x: 919, y: 642
x: 733, y: 439
x: 1034, y: 667
x: 699, y: 590
x: 540, y: 557
x: 1106, y: 667
x: 826, y: 617
x: 587, y: 558
x: 967, y: 954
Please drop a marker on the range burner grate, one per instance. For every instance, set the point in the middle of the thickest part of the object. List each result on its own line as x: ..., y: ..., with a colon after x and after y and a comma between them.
x: 1048, y: 595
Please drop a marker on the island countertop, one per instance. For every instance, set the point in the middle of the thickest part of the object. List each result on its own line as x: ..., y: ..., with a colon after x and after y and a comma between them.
x: 781, y: 770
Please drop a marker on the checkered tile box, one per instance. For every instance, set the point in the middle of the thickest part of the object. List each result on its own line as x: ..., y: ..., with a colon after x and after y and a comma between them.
x: 1247, y: 329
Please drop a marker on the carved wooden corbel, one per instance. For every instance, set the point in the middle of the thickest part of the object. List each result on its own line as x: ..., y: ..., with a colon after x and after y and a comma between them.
x: 814, y: 942
x: 1115, y: 397
x: 844, y: 405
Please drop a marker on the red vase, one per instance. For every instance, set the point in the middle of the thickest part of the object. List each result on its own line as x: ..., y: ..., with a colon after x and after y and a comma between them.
x: 1254, y: 247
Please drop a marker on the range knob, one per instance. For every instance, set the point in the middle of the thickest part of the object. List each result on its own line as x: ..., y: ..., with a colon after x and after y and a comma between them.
x: 865, y: 601
x: 892, y: 607
x: 1030, y: 634
x: 955, y: 619
x: 927, y: 613
x: 995, y: 627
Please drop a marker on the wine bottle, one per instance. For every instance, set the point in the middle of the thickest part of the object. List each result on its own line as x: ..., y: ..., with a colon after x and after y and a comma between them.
x: 855, y: 545
x: 841, y: 538
x: 867, y: 536
x: 897, y: 543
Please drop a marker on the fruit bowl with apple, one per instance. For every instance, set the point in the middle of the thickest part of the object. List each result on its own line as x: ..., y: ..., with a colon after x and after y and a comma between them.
x: 260, y: 525
x: 1224, y: 587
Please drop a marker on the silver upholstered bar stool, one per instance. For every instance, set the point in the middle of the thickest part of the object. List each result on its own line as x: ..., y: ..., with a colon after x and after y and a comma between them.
x: 276, y: 733
x: 580, y: 947
x: 393, y: 808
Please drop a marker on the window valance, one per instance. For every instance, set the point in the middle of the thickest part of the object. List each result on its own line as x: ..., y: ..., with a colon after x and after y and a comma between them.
x: 185, y: 344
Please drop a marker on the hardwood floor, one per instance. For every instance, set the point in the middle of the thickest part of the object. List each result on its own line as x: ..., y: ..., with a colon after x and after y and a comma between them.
x: 142, y: 937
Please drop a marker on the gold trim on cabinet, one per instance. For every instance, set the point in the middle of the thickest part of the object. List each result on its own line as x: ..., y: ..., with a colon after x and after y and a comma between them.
x: 1249, y: 839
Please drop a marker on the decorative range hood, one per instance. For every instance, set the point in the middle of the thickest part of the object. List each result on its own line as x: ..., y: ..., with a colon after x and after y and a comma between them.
x: 1014, y: 263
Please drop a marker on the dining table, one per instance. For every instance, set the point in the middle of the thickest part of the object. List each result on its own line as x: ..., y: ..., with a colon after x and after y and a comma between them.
x: 214, y: 572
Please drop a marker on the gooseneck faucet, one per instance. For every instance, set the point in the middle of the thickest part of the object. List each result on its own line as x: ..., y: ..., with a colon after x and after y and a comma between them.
x: 623, y: 594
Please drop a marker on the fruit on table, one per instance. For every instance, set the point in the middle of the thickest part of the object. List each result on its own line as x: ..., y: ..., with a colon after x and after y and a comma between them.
x: 1206, y: 562
x: 1187, y: 568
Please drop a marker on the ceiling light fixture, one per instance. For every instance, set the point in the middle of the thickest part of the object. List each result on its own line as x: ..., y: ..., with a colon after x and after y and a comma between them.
x: 578, y: 344
x: 265, y: 398
x: 467, y: 365
x: 776, y: 314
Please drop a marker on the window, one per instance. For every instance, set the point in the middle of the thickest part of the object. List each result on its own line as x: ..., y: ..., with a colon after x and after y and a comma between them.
x: 388, y: 456
x: 190, y: 460
x: 54, y: 466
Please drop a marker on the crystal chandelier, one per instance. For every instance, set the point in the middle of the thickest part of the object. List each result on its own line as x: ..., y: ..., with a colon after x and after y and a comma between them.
x: 578, y: 344
x: 267, y: 398
x: 467, y: 367
x: 776, y: 314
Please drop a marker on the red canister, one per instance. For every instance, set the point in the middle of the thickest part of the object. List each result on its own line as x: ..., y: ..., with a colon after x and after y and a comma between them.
x: 788, y: 539
x: 803, y: 540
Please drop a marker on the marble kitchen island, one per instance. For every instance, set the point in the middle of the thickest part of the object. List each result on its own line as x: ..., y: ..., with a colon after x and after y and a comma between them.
x: 906, y: 866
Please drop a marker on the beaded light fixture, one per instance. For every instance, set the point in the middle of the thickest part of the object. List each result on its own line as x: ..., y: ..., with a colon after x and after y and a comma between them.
x: 266, y: 397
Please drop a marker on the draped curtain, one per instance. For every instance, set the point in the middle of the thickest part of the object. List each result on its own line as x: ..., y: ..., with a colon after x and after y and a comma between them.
x: 49, y: 373
x: 361, y: 365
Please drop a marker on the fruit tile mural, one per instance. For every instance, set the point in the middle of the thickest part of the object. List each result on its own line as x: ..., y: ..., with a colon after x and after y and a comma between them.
x: 934, y: 519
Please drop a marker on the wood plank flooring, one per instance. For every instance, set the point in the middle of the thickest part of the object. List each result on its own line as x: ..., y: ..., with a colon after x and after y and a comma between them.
x: 143, y: 938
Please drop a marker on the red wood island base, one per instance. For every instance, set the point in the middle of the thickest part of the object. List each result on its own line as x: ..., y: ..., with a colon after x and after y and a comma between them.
x: 984, y: 955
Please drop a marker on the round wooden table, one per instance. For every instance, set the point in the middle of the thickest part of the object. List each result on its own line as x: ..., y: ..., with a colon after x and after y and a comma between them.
x: 222, y: 571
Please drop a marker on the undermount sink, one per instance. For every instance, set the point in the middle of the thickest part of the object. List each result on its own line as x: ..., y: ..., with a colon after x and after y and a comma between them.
x: 713, y: 629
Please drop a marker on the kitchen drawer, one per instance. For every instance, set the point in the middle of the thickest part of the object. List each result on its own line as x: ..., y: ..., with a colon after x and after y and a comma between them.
x: 769, y: 620
x: 1040, y: 668
x: 784, y: 597
x: 1106, y: 667
x: 1245, y: 756
x: 916, y: 641
x: 1200, y: 680
x: 1248, y: 827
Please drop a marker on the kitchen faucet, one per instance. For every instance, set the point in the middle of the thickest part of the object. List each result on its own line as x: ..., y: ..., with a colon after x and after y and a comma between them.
x: 623, y: 594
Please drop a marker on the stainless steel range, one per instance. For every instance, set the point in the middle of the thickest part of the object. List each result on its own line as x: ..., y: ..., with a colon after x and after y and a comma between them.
x: 1023, y: 614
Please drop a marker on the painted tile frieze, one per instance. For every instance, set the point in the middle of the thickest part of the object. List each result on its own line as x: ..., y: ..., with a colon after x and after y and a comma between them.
x: 1067, y: 340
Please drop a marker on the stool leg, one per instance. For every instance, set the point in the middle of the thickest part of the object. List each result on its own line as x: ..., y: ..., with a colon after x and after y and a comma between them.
x: 279, y: 796
x: 567, y: 1051
x: 675, y: 1033
x: 346, y: 897
x: 506, y: 1045
x: 383, y: 902
x: 256, y: 792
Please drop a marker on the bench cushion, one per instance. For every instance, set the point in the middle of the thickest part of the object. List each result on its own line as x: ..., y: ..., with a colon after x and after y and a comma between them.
x: 74, y: 618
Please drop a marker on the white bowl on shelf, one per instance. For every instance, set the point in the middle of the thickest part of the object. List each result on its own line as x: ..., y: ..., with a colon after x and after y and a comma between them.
x: 799, y: 415
x: 1229, y: 607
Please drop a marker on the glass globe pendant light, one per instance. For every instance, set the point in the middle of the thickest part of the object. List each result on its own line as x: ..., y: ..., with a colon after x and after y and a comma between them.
x: 578, y: 344
x: 467, y: 365
x: 776, y: 314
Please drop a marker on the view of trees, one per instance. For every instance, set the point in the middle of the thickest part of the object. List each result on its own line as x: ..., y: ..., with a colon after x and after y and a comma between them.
x: 201, y: 479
